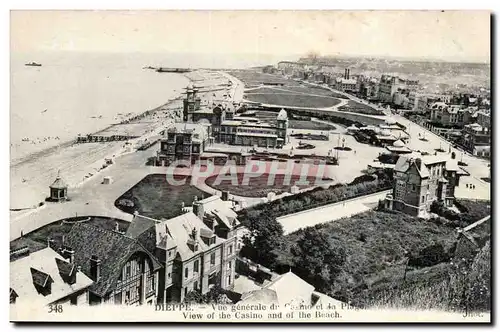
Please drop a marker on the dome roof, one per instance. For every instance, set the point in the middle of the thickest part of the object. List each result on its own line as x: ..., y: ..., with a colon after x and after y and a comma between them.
x: 399, y: 144
x: 59, y: 183
x: 190, y: 86
x: 282, y: 115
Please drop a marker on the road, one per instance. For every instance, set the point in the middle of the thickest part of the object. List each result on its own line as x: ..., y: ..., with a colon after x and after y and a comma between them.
x: 331, y: 212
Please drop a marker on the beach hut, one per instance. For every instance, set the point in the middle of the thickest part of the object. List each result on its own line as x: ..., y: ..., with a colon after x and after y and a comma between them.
x: 58, y: 189
x: 107, y: 180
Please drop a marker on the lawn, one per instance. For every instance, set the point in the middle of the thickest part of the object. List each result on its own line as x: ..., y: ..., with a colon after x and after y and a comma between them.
x: 355, y: 107
x: 258, y: 186
x: 316, y: 91
x: 311, y: 125
x: 154, y: 197
x: 252, y: 78
x: 290, y: 99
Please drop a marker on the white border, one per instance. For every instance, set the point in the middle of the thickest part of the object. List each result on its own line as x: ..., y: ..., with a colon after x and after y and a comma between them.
x: 185, y: 4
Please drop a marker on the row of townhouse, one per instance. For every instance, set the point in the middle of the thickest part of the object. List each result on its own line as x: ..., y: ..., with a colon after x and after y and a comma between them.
x: 150, y: 262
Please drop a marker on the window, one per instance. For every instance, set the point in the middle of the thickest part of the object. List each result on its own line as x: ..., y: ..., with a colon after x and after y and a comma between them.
x: 128, y: 271
x: 230, y: 249
x: 196, y: 266
x: 195, y: 285
x: 169, y: 275
x: 230, y: 265
x: 74, y: 300
x: 413, y: 187
x: 151, y: 283
x: 212, y: 258
x: 186, y: 272
x: 423, y: 198
x: 127, y: 296
x: 185, y: 291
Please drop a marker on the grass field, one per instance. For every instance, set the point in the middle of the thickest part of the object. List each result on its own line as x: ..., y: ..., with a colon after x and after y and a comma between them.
x: 354, y: 106
x: 311, y: 125
x: 154, y: 197
x: 298, y: 100
x: 253, y: 78
x: 258, y: 186
x: 315, y: 90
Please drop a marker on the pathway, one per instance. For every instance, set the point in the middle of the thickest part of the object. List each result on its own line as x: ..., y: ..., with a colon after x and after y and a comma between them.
x: 331, y: 212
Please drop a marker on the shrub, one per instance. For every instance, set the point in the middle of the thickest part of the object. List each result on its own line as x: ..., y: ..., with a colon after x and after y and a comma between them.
x: 430, y: 255
x: 440, y: 209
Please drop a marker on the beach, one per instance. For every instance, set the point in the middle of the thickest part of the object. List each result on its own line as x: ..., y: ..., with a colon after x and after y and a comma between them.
x: 145, y: 101
x: 52, y: 104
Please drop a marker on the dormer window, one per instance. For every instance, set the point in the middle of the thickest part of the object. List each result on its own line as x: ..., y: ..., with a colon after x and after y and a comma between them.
x: 208, y: 236
x: 42, y: 281
x: 193, y: 245
x: 67, y: 271
x: 13, y: 296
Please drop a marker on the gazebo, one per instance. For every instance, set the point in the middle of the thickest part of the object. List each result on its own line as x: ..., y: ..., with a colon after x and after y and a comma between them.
x: 58, y: 189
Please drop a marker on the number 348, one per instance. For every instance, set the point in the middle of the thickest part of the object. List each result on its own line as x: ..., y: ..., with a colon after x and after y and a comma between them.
x: 55, y: 308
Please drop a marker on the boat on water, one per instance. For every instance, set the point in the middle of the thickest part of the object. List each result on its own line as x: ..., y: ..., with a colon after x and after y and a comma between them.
x: 33, y: 64
x: 172, y: 70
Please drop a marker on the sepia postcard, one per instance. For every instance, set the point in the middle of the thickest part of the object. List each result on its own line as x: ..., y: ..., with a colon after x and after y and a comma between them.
x: 250, y: 166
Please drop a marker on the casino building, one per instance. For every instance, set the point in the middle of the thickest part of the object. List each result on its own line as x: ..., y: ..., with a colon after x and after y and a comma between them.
x: 229, y: 128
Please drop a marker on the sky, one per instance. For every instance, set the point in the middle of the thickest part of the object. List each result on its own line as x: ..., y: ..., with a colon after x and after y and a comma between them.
x: 450, y: 35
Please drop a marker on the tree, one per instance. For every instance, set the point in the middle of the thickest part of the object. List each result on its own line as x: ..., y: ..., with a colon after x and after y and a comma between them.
x: 215, y: 295
x: 430, y: 255
x: 265, y: 240
x: 319, y: 258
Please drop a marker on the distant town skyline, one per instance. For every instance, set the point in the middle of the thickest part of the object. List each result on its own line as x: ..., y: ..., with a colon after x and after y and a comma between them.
x: 425, y: 35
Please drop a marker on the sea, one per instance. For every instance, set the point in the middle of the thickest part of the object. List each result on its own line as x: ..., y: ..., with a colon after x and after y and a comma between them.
x: 83, y: 92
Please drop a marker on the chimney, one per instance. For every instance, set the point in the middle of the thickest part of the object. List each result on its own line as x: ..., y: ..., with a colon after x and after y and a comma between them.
x: 418, y: 162
x: 71, y: 255
x: 78, y: 268
x: 95, y: 268
x: 345, y: 73
x: 117, y: 227
x: 198, y: 209
x: 348, y: 73
x: 225, y: 195
x: 194, y: 233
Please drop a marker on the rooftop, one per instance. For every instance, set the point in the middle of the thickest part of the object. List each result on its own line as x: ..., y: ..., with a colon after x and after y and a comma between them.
x: 42, y: 267
x: 112, y: 248
x: 180, y: 229
x: 59, y: 183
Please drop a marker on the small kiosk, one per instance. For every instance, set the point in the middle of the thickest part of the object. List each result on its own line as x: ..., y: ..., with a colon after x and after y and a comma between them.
x: 58, y: 190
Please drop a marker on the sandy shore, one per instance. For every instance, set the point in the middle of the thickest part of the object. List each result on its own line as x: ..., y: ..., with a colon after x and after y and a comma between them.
x: 31, y: 175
